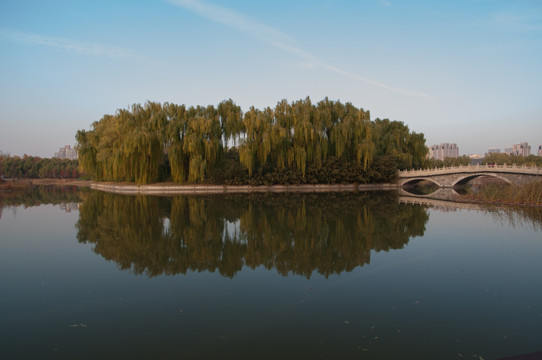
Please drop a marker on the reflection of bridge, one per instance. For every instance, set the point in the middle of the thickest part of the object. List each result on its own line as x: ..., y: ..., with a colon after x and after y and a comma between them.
x: 440, y: 204
x: 441, y: 194
x: 447, y: 200
x: 459, y: 175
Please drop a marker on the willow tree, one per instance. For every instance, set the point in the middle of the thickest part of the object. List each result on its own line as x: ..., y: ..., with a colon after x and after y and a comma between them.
x: 230, y: 121
x: 138, y: 143
x: 355, y: 136
x: 305, y: 137
x: 146, y: 142
x: 281, y: 155
x: 321, y: 136
x: 155, y: 118
x: 176, y: 132
x: 202, y: 141
x: 418, y: 149
x: 393, y: 138
x: 255, y: 146
x: 86, y: 152
x: 136, y: 152
x: 126, y: 146
x: 108, y: 149
x: 296, y: 141
x: 143, y: 151
x: 328, y: 114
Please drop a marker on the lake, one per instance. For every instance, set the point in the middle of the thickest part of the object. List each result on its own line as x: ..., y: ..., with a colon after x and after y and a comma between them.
x: 87, y: 274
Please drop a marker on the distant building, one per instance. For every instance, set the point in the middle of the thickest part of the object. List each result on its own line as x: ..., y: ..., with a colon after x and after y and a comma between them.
x: 508, y: 151
x: 539, y: 150
x: 493, y: 151
x: 476, y: 159
x: 67, y: 152
x: 444, y: 150
x: 521, y: 149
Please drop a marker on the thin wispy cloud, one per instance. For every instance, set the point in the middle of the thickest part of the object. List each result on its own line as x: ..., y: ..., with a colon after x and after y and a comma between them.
x: 277, y: 39
x: 385, y: 3
x: 67, y: 45
x: 374, y: 82
x: 233, y: 19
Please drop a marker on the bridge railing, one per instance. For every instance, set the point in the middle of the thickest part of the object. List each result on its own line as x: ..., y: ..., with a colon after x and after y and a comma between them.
x: 474, y: 168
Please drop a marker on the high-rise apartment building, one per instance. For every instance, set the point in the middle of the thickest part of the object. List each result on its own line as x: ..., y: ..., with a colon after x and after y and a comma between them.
x: 521, y: 149
x: 67, y: 152
x: 444, y: 150
x: 539, y: 150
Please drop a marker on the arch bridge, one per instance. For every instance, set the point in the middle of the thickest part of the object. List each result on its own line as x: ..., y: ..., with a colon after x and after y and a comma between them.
x: 448, y: 177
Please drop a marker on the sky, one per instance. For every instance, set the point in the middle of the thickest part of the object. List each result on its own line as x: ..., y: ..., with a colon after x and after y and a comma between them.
x: 461, y: 71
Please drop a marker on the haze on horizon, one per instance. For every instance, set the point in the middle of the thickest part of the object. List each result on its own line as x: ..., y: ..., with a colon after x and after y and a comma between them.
x: 467, y: 71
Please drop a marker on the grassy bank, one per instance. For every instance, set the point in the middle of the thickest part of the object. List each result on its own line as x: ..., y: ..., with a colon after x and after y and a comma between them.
x: 529, y: 194
x: 12, y: 185
x: 17, y: 185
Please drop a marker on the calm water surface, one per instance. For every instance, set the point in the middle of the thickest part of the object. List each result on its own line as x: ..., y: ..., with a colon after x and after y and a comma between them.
x: 341, y: 276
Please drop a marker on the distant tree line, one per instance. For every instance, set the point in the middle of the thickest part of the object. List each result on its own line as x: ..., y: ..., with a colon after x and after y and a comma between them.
x: 463, y: 160
x: 35, y: 167
x: 493, y: 158
x: 298, y: 142
x: 500, y: 159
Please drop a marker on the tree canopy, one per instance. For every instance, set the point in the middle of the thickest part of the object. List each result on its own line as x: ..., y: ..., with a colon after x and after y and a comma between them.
x: 34, y: 167
x: 152, y: 142
x: 500, y: 159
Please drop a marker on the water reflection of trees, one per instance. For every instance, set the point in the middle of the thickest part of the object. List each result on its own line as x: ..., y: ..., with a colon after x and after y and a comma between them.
x: 39, y: 195
x: 293, y: 233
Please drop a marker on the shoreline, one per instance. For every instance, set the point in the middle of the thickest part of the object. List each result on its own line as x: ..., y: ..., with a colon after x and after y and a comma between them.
x: 170, y: 188
x: 21, y: 183
x: 173, y: 189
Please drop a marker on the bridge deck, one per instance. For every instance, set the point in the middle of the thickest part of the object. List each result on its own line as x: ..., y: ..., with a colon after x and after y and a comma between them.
x: 511, y: 169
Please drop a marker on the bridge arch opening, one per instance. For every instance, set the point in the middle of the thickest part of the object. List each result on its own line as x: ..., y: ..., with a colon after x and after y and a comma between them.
x: 481, y: 179
x: 419, y: 181
x: 420, y: 186
x: 439, y: 194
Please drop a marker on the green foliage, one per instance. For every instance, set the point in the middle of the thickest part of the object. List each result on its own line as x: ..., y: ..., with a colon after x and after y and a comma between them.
x: 127, y: 146
x: 2, y: 159
x: 230, y: 121
x: 463, y: 160
x: 500, y: 159
x: 292, y: 143
x: 393, y: 138
x: 34, y: 167
x: 333, y: 171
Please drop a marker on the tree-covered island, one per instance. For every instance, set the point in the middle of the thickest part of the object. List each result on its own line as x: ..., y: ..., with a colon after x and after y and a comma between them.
x: 293, y: 143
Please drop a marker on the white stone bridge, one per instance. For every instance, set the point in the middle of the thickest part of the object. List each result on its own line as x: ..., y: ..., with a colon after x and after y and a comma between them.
x: 449, y: 177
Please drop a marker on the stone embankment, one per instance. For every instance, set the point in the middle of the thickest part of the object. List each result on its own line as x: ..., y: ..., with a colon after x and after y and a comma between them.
x: 171, y: 189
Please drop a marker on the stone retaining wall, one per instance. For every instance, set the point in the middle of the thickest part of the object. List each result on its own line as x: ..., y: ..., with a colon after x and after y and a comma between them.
x: 231, y: 189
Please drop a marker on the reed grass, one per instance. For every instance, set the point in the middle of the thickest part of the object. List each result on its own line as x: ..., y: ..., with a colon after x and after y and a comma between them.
x: 529, y: 194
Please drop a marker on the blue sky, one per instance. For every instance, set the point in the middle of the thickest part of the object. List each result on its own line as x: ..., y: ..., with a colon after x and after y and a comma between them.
x: 463, y: 71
